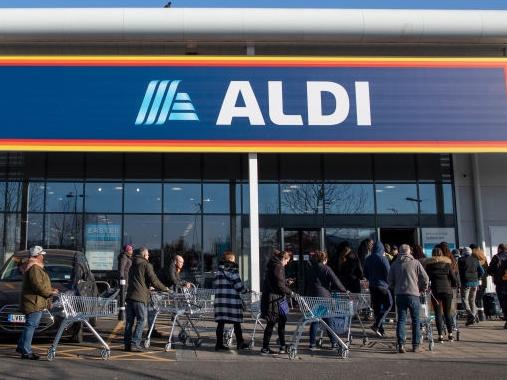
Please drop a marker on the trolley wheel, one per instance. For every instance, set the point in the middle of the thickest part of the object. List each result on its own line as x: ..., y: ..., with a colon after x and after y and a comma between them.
x: 319, y: 342
x: 105, y: 353
x: 251, y: 345
x: 168, y: 347
x: 198, y: 342
x: 51, y: 353
x: 292, y: 351
x: 365, y: 340
x: 183, y: 337
x: 147, y: 343
x: 431, y: 345
x: 343, y: 353
x: 228, y: 338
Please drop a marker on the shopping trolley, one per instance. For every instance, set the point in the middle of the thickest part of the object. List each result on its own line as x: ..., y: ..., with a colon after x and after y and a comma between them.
x: 316, y: 309
x: 81, y: 309
x: 251, y: 305
x: 426, y: 317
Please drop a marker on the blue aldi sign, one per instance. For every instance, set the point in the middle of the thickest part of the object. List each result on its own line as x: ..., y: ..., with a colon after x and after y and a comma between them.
x: 210, y: 104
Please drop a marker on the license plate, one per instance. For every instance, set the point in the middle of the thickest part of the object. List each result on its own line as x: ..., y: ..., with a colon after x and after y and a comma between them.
x: 16, y: 318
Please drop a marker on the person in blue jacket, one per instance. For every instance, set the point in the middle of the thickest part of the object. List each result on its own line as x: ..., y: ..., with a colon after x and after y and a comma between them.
x: 376, y: 271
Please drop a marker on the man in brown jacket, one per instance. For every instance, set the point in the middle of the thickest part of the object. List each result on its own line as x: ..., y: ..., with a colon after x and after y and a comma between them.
x: 35, y: 295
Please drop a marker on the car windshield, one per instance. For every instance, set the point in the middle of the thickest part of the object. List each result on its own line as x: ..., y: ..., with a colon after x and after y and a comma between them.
x: 58, y: 268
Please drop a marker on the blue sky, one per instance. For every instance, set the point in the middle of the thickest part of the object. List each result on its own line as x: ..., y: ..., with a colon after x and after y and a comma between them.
x: 417, y: 4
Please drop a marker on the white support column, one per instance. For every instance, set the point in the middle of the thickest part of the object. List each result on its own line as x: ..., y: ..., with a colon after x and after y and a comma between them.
x: 479, y: 214
x: 253, y: 183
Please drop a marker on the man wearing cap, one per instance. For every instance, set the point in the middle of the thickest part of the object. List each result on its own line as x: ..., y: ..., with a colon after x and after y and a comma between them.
x: 35, y: 295
x: 470, y: 273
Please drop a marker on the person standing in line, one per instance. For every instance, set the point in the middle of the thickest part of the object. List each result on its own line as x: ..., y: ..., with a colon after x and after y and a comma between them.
x: 470, y: 272
x: 274, y: 305
x: 349, y: 270
x: 141, y: 278
x: 376, y: 271
x: 364, y: 250
x: 498, y: 270
x: 321, y: 280
x: 443, y: 280
x: 408, y: 279
x: 36, y: 294
x: 228, y: 305
x: 124, y: 264
x: 479, y: 254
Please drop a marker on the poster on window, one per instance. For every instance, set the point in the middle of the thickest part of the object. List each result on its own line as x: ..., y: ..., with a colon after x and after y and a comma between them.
x: 434, y: 236
x: 102, y: 244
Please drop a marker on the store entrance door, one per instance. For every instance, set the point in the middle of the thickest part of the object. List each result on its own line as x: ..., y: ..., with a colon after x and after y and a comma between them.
x: 399, y: 236
x: 301, y: 242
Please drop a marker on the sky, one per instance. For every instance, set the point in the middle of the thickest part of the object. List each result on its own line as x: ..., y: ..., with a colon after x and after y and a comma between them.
x: 412, y: 4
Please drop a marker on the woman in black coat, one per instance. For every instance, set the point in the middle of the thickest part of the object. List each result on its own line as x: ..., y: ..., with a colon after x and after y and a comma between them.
x: 274, y: 305
x: 349, y: 270
x: 442, y: 277
x: 321, y: 281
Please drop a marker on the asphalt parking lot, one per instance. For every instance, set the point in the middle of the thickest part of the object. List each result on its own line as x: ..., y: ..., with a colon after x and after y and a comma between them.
x: 479, y: 354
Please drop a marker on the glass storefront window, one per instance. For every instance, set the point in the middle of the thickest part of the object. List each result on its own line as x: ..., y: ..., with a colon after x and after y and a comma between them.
x: 353, y: 236
x: 36, y: 192
x: 103, y: 197
x: 448, y: 199
x: 143, y: 197
x: 182, y: 236
x: 396, y: 198
x: 35, y: 230
x: 3, y: 189
x: 144, y: 231
x: 182, y: 198
x: 102, y: 241
x: 13, y: 198
x: 64, y: 197
x: 216, y: 240
x: 268, y: 198
x: 428, y: 197
x: 64, y: 231
x: 12, y: 234
x: 301, y: 198
x: 349, y: 198
x: 216, y: 198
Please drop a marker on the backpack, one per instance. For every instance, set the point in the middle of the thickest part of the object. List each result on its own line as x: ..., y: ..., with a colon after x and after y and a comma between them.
x: 500, y: 277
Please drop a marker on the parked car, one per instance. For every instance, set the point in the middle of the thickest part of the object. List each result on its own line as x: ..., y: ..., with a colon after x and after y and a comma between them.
x: 69, y: 273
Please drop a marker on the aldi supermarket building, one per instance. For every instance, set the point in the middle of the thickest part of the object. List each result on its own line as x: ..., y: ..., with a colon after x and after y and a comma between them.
x: 197, y: 131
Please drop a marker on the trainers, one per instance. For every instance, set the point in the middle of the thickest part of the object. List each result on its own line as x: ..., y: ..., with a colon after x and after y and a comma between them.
x: 268, y: 351
x: 440, y: 339
x: 221, y: 348
x: 476, y: 319
x: 138, y: 349
x: 31, y: 356
x: 470, y: 322
x: 401, y: 349
x: 451, y: 338
x: 376, y: 330
x: 127, y: 348
x: 243, y: 346
x: 417, y: 349
x: 283, y: 350
x: 312, y: 347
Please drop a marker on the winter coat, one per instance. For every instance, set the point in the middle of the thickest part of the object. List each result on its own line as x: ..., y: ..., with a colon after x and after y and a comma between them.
x: 275, y: 290
x: 228, y: 287
x: 321, y: 280
x: 376, y: 267
x: 350, y: 273
x: 470, y: 271
x: 496, y: 266
x: 124, y: 264
x: 171, y: 277
x: 407, y: 276
x: 36, y: 289
x: 441, y: 275
x: 141, y: 277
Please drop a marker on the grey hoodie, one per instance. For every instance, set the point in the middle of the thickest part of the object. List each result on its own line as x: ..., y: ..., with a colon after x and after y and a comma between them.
x: 407, y: 276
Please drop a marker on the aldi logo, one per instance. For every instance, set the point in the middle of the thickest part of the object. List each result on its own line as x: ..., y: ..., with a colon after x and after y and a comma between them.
x: 162, y: 102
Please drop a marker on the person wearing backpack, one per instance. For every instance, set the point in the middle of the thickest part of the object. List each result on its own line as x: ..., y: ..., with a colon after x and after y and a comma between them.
x: 498, y: 270
x: 470, y: 273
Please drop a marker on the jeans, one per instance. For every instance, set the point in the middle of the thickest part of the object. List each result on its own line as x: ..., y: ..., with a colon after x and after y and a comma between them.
x: 220, y: 333
x: 268, y: 331
x: 31, y: 323
x: 382, y: 302
x: 412, y: 303
x: 468, y: 296
x: 331, y: 322
x: 442, y: 302
x: 135, y: 311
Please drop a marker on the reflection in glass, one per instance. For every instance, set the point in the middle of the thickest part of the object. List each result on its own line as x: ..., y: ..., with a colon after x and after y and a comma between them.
x: 217, y: 240
x: 102, y: 241
x: 216, y: 198
x: 395, y: 198
x: 302, y: 198
x: 144, y: 231
x: 3, y: 189
x: 143, y: 197
x: 349, y: 198
x: 12, y: 233
x: 268, y: 198
x: 13, y: 196
x: 182, y: 198
x: 448, y: 199
x: 428, y: 196
x: 64, y: 197
x: 35, y: 229
x: 103, y: 197
x: 354, y: 236
x: 182, y: 236
x: 36, y: 192
x: 63, y: 231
